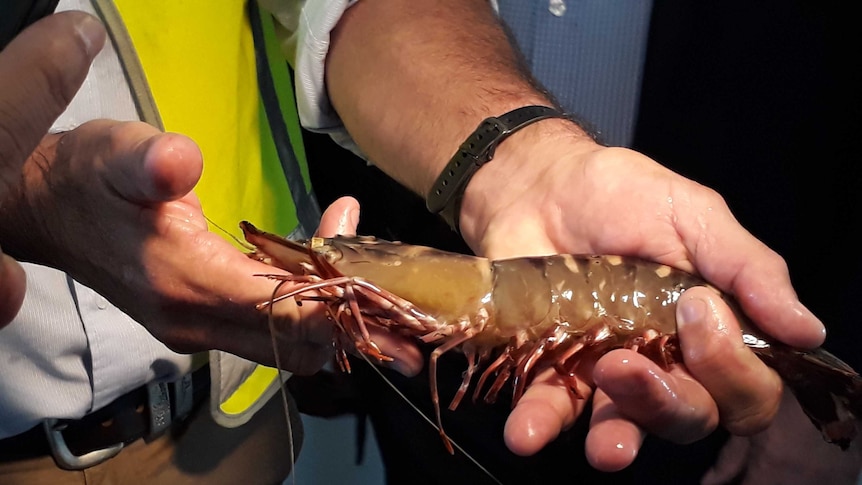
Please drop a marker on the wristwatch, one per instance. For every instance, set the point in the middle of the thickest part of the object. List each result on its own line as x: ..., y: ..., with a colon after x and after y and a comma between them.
x: 448, y: 191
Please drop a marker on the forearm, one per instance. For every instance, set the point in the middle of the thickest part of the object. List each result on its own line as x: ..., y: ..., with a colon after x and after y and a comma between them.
x: 411, y: 80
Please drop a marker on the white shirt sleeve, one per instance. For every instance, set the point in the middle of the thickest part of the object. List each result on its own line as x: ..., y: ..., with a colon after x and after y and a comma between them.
x: 305, y: 42
x: 306, y: 27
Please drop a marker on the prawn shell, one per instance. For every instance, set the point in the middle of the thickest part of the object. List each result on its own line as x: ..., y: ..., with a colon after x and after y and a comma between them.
x: 540, y: 312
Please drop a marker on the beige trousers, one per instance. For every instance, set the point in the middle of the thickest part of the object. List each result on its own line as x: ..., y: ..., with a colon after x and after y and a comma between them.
x: 257, y: 453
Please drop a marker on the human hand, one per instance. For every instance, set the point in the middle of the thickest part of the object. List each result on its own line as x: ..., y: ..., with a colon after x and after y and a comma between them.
x: 40, y: 71
x: 342, y: 218
x: 111, y: 204
x: 552, y: 190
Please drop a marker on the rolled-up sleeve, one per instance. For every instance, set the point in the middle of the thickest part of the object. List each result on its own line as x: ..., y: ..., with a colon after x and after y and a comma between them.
x: 304, y: 34
x: 304, y: 28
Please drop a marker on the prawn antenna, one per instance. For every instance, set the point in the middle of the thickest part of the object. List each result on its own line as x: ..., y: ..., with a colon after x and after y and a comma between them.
x: 427, y: 419
x: 229, y: 234
x: 281, y: 381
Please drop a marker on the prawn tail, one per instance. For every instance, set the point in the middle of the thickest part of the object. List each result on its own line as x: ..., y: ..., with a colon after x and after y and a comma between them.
x: 827, y: 389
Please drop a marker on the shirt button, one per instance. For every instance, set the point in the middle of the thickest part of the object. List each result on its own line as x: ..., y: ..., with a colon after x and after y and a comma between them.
x: 102, y: 303
x: 557, y: 7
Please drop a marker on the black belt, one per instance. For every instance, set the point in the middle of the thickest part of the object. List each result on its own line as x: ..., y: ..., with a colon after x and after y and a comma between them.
x: 145, y: 412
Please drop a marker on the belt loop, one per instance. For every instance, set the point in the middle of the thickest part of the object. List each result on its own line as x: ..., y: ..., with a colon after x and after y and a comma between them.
x: 183, y: 394
x: 160, y: 409
x: 64, y: 457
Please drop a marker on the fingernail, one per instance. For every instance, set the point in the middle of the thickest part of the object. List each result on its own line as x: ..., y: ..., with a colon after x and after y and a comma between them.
x: 695, y: 326
x: 92, y: 34
x: 690, y: 311
x: 347, y: 222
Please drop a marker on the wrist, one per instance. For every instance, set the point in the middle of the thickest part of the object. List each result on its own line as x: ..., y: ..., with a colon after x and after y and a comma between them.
x: 446, y: 194
x: 475, y: 108
x: 519, y: 164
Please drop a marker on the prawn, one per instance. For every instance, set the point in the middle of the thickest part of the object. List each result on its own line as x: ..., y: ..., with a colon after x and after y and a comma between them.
x: 518, y: 317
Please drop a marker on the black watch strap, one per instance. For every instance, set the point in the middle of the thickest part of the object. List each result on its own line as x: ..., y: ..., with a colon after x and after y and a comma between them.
x: 446, y: 194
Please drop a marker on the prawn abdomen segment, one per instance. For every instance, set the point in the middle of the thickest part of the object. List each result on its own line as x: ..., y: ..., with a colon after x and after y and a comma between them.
x: 535, y: 294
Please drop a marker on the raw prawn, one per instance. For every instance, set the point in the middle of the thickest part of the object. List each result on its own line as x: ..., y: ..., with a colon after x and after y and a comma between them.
x: 523, y: 315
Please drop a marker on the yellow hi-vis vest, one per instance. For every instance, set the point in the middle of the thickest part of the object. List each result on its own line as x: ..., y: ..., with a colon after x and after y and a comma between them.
x: 192, y: 69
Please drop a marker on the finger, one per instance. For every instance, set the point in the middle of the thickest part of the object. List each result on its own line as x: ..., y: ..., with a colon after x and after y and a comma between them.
x: 746, y: 391
x: 40, y: 72
x: 670, y: 405
x: 298, y: 352
x: 740, y: 264
x: 543, y: 412
x: 13, y: 283
x: 136, y: 160
x: 773, y: 305
x: 407, y: 358
x: 341, y: 218
x: 172, y: 165
x: 763, y: 288
x: 614, y: 440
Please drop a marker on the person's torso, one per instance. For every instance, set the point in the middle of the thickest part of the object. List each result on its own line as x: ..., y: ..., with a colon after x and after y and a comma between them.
x: 66, y: 353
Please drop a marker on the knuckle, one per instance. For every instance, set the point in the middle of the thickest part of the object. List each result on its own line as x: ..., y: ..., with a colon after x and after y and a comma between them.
x: 754, y: 412
x: 748, y: 421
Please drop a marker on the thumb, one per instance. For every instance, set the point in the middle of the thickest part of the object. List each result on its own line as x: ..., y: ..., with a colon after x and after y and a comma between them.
x: 137, y: 161
x: 171, y: 164
x: 341, y: 217
x: 713, y: 349
x: 40, y: 72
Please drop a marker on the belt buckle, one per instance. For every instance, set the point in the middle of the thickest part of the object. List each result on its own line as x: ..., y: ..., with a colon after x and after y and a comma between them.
x: 64, y: 457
